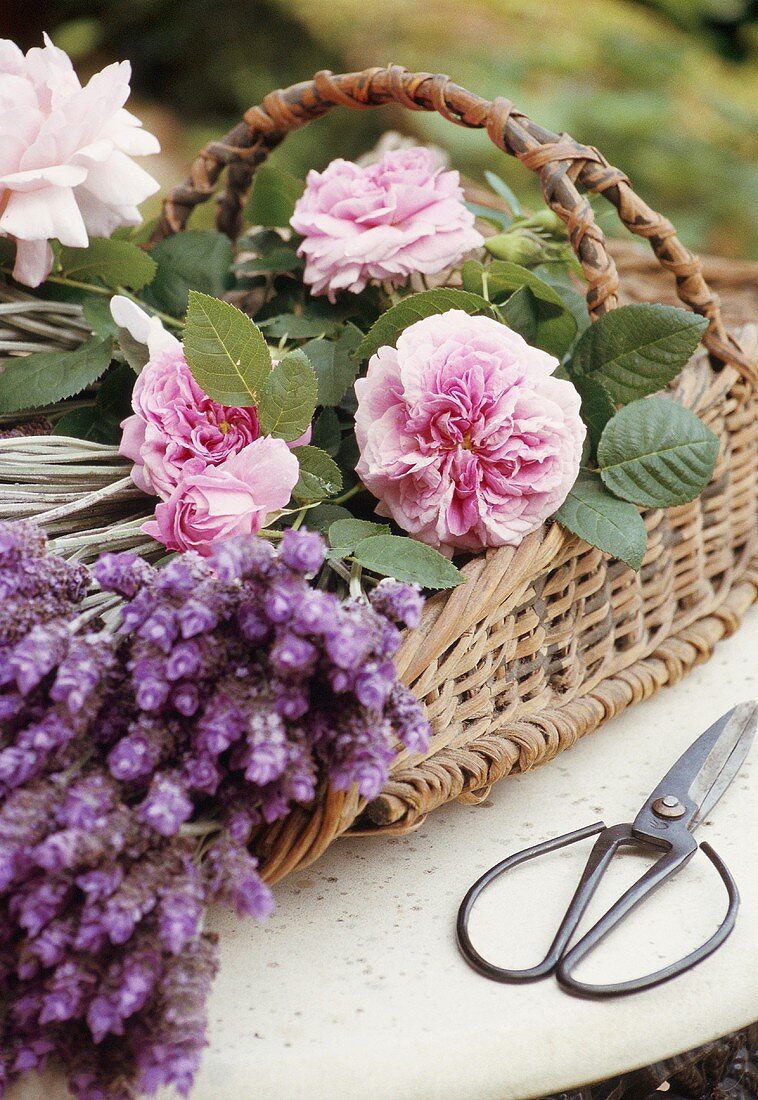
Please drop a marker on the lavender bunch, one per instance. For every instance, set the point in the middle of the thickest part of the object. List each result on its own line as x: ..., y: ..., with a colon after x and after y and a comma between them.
x: 231, y: 690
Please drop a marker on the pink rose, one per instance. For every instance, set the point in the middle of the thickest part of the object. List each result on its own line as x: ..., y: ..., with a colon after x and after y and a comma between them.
x: 215, y: 502
x: 175, y: 422
x: 464, y: 437
x: 383, y: 221
x: 65, y: 155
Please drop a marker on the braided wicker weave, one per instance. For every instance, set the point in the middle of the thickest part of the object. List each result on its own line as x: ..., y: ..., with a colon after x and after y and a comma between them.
x: 549, y: 639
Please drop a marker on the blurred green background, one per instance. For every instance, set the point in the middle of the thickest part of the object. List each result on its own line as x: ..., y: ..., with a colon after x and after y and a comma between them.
x: 667, y: 89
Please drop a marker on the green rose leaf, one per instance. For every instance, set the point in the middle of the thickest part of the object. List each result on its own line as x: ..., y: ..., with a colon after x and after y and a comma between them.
x: 293, y: 326
x: 407, y: 560
x: 322, y: 517
x: 335, y: 365
x: 135, y: 353
x: 98, y: 313
x: 114, y: 399
x: 327, y: 433
x: 597, y: 407
x: 116, y: 262
x: 602, y: 520
x: 345, y: 534
x: 320, y: 475
x: 501, y: 188
x: 520, y: 314
x: 272, y: 200
x: 226, y: 351
x: 277, y: 262
x: 557, y: 275
x: 49, y: 376
x: 101, y: 422
x: 556, y: 324
x: 637, y: 350
x: 84, y: 424
x: 197, y: 259
x: 657, y: 453
x: 498, y: 218
x: 391, y: 324
x: 287, y: 398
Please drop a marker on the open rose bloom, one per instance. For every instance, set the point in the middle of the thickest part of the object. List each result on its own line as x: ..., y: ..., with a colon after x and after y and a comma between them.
x: 65, y: 155
x: 214, y: 472
x: 236, y: 497
x: 464, y: 436
x: 174, y: 422
x: 384, y: 221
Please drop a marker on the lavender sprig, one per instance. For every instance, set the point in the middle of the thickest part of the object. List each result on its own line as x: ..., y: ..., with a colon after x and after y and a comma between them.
x: 137, y: 762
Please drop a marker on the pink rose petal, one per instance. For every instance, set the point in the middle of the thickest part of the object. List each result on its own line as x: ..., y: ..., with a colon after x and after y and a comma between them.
x: 465, y: 437
x: 383, y: 221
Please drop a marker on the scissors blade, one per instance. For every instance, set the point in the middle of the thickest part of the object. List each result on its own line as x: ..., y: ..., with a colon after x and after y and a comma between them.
x: 719, y: 771
x: 702, y: 774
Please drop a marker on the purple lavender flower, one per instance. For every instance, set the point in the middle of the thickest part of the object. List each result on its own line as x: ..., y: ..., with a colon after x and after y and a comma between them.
x: 234, y: 880
x: 303, y: 551
x: 180, y: 909
x: 253, y: 622
x: 196, y: 618
x: 292, y: 655
x: 185, y: 698
x: 87, y: 801
x: 37, y: 654
x: 231, y: 691
x: 408, y: 719
x: 400, y: 602
x: 68, y: 992
x: 316, y: 612
x: 125, y: 989
x: 170, y: 1054
x: 240, y: 557
x: 80, y: 678
x: 161, y: 628
x: 349, y: 643
x: 185, y: 660
x: 124, y: 573
x: 166, y: 806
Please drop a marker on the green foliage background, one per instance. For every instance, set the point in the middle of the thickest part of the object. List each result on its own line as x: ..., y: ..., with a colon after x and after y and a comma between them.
x: 666, y: 88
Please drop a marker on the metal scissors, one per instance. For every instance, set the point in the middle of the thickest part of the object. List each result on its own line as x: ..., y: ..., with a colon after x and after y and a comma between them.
x: 680, y: 802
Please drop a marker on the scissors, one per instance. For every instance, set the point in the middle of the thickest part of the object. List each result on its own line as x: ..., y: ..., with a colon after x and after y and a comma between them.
x: 680, y: 802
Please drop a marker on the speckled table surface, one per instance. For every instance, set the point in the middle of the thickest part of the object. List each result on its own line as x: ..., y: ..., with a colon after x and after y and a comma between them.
x: 355, y: 987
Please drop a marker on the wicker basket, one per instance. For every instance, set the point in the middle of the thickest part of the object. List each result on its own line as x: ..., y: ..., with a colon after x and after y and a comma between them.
x: 549, y: 639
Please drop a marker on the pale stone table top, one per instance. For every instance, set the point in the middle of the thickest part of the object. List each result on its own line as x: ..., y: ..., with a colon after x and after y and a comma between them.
x: 355, y: 987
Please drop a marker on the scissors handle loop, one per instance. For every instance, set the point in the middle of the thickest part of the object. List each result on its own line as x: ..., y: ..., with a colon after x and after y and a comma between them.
x: 663, y: 869
x: 548, y: 964
x: 562, y: 961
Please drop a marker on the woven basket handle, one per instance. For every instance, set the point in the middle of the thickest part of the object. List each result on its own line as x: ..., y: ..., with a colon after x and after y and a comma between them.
x: 561, y: 164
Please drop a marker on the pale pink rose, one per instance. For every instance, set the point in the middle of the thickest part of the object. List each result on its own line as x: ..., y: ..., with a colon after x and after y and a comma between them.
x: 65, y: 155
x: 464, y: 436
x: 383, y: 221
x: 175, y: 421
x: 215, y: 502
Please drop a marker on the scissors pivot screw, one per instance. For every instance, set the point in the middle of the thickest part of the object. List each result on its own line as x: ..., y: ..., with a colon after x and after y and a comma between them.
x: 668, y: 806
